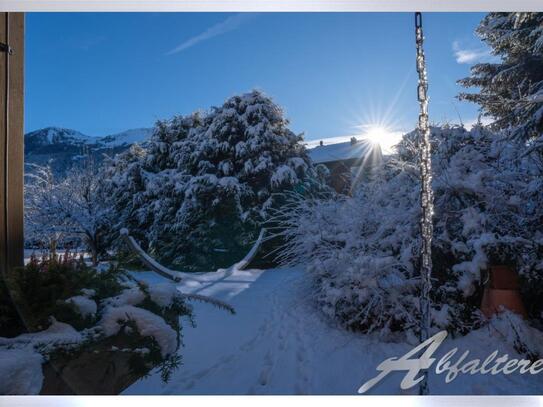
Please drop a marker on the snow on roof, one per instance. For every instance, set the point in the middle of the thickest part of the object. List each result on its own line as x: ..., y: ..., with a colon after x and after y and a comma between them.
x: 341, y: 151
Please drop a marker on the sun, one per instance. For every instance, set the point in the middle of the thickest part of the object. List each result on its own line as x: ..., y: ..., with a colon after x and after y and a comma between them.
x: 376, y: 134
x: 381, y: 136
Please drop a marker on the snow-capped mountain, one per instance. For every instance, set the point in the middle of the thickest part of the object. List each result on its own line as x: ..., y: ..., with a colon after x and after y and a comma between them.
x: 55, y: 135
x: 127, y: 137
x: 63, y: 148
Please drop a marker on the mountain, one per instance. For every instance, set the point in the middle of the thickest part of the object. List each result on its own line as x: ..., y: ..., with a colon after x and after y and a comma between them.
x: 64, y: 148
x: 55, y: 136
x: 127, y: 138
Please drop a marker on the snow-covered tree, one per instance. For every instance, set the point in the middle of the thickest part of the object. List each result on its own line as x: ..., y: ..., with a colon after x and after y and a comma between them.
x: 43, y: 225
x: 65, y: 210
x: 197, y: 194
x: 511, y: 90
x: 364, y: 251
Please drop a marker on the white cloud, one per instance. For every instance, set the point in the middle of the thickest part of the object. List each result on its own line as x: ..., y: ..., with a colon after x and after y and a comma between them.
x: 474, y: 55
x: 230, y: 24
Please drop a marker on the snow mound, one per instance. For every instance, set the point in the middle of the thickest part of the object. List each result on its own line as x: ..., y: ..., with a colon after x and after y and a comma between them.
x: 88, y: 292
x: 85, y: 306
x: 163, y: 294
x: 148, y: 324
x: 58, y: 334
x: 20, y: 371
x: 130, y: 296
x: 21, y: 357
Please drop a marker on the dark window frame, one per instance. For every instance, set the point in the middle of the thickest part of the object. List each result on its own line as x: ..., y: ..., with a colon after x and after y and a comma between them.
x: 11, y: 140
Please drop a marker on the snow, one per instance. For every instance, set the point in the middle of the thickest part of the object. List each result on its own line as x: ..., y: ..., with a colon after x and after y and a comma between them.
x: 20, y: 371
x: 54, y: 135
x: 127, y: 137
x: 88, y: 292
x: 340, y: 151
x: 21, y: 358
x: 163, y: 294
x: 57, y: 334
x: 60, y: 135
x: 85, y: 306
x: 129, y: 296
x: 283, y: 174
x: 279, y: 343
x: 148, y: 324
x: 229, y: 183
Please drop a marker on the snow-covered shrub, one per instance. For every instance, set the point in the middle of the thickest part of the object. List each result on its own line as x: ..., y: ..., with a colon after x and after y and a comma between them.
x: 509, y: 90
x: 46, y: 288
x: 363, y: 251
x: 72, y: 309
x: 196, y: 195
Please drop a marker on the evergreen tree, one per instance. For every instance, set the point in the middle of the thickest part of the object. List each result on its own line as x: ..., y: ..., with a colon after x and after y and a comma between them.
x: 197, y: 194
x: 511, y: 90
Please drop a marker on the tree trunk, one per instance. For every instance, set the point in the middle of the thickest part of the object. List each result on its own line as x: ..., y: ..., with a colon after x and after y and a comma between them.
x: 94, y: 257
x: 53, y: 248
x: 93, y: 247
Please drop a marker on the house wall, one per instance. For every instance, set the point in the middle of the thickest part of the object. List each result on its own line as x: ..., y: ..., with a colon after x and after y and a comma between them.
x: 340, y: 176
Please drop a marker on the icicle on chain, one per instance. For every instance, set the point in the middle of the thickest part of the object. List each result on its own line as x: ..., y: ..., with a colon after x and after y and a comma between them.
x: 426, y: 191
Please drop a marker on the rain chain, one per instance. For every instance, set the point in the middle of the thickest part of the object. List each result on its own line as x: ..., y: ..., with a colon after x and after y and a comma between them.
x: 426, y: 194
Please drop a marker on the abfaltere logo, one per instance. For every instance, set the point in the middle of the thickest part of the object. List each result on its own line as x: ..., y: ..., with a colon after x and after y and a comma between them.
x: 448, y: 365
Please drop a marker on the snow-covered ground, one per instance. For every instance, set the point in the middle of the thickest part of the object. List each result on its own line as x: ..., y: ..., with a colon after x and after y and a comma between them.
x: 278, y: 343
x: 20, y: 362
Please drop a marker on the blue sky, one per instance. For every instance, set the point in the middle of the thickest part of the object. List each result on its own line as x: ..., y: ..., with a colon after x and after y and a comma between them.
x: 101, y: 73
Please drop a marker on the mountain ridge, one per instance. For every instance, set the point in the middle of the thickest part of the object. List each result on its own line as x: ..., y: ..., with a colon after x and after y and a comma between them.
x: 63, y: 148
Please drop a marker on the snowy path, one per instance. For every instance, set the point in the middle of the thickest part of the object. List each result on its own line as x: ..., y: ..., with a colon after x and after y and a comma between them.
x: 278, y: 344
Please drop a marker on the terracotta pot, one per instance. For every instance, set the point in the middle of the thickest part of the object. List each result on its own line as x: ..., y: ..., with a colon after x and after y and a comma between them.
x: 503, y: 278
x: 502, y: 291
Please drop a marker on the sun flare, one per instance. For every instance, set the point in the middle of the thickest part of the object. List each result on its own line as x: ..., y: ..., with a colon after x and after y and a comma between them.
x: 382, y: 136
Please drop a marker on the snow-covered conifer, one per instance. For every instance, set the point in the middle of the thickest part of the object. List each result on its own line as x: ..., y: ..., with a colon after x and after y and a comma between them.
x: 511, y: 90
x: 196, y: 195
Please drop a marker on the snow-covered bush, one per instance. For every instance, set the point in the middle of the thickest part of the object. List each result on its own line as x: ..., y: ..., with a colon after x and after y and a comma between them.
x: 196, y: 195
x: 71, y: 308
x: 363, y: 251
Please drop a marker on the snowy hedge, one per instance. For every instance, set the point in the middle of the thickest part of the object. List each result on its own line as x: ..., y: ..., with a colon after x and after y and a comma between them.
x: 363, y: 251
x: 196, y: 195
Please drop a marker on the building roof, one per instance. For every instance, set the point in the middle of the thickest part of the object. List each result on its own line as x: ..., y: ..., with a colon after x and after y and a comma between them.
x: 347, y: 151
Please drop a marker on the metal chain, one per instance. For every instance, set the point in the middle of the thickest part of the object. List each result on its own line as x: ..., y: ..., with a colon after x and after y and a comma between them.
x: 426, y: 194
